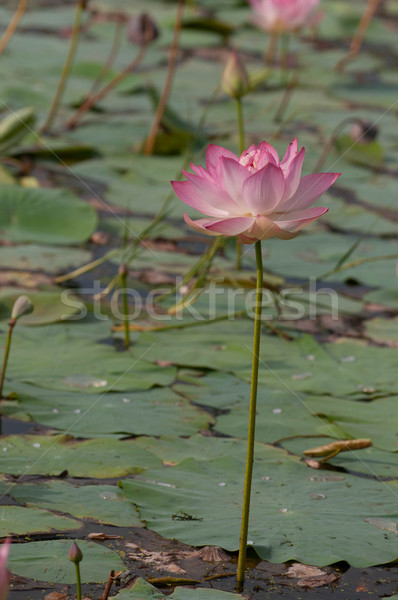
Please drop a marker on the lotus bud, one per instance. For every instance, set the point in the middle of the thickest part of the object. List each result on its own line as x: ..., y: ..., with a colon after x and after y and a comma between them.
x: 22, y: 306
x: 234, y: 80
x: 141, y: 29
x: 4, y: 573
x: 123, y: 270
x: 363, y: 131
x: 75, y: 554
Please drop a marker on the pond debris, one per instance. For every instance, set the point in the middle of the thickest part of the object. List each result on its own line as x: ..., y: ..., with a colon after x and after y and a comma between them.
x: 299, y: 376
x: 169, y: 485
x: 211, y: 554
x: 383, y: 524
x: 108, y: 496
x: 84, y: 381
x: 366, y: 389
x: 277, y: 411
x: 101, y: 537
x: 326, y: 478
x: 164, y: 561
x: 311, y: 577
x: 330, y: 450
x: 56, y: 596
x: 317, y: 496
x: 346, y: 359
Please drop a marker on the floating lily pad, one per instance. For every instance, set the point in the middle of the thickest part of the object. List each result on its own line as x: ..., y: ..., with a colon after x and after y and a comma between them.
x: 300, y: 365
x: 52, y: 455
x: 142, y: 590
x: 44, y: 216
x: 48, y: 306
x: 50, y: 259
x: 297, y: 513
x: 382, y: 330
x: 279, y: 412
x: 155, y: 412
x: 17, y: 520
x: 77, y: 357
x: 48, y: 561
x: 373, y: 420
x: 104, y: 503
x: 372, y: 461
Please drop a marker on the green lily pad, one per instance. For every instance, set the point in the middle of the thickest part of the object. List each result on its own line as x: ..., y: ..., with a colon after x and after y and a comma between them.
x: 104, y: 503
x: 368, y: 461
x: 370, y: 154
x: 296, y: 514
x: 279, y: 412
x: 142, y: 590
x: 52, y: 455
x: 173, y: 449
x: 382, y: 330
x: 387, y: 297
x: 17, y: 520
x: 44, y: 216
x: 300, y: 365
x: 373, y: 420
x: 74, y: 357
x: 48, y: 561
x: 50, y: 259
x: 154, y: 412
x: 48, y: 306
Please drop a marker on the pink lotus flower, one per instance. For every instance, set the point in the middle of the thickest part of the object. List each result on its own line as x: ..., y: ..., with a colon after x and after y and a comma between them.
x: 281, y: 15
x: 255, y: 196
x: 4, y: 573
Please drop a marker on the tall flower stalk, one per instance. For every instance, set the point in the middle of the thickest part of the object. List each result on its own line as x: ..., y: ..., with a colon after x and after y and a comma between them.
x: 70, y: 57
x: 255, y: 196
x: 240, y: 575
x: 22, y: 306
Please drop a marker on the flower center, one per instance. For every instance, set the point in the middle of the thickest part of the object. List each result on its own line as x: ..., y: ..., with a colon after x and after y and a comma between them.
x: 250, y: 159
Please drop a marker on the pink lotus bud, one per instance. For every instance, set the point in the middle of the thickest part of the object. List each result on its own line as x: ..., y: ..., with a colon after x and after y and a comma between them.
x: 75, y: 554
x: 255, y: 195
x: 364, y: 131
x: 4, y: 572
x: 141, y: 29
x: 234, y: 80
x: 283, y: 15
x: 123, y: 271
x: 22, y: 306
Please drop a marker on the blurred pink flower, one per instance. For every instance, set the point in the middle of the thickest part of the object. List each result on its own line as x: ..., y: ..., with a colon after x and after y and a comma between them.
x: 4, y: 573
x: 281, y: 15
x: 255, y: 196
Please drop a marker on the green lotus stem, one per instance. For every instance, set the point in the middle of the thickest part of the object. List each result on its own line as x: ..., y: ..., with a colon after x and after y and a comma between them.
x: 123, y: 280
x: 284, y: 63
x: 240, y: 576
x: 95, y: 98
x: 241, y: 130
x: 80, y: 7
x: 78, y: 582
x: 272, y: 47
x: 9, y: 32
x: 157, y: 118
x: 11, y: 326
